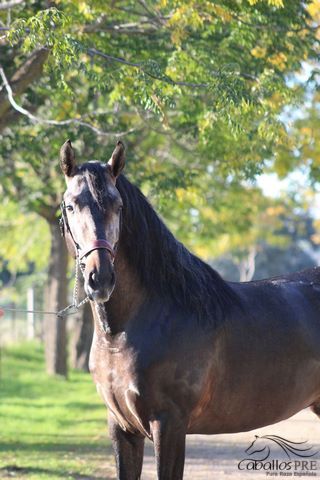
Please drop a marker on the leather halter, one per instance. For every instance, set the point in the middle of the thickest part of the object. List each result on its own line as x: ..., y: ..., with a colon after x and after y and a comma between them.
x: 98, y: 244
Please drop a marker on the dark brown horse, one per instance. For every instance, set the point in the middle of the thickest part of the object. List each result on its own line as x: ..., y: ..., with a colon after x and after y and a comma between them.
x: 176, y: 349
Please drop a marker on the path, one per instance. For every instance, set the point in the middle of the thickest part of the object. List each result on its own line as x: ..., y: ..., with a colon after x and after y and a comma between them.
x: 216, y: 457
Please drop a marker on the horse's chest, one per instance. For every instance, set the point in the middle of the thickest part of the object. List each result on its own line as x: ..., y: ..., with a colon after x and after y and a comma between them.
x: 113, y: 371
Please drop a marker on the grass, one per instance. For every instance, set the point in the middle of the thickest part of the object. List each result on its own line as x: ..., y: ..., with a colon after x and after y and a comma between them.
x: 50, y: 428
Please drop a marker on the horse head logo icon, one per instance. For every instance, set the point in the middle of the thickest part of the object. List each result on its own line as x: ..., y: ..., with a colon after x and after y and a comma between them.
x: 263, y: 447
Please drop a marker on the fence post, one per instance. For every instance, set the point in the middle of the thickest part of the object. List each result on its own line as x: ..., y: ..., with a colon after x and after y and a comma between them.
x: 13, y: 333
x: 1, y: 318
x: 30, y: 315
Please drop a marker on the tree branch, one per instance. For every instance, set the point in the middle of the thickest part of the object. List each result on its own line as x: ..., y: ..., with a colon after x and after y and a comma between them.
x: 94, y: 51
x: 274, y: 26
x: 144, y: 27
x: 70, y: 121
x: 22, y: 78
x: 164, y: 78
x: 153, y: 15
x: 10, y: 4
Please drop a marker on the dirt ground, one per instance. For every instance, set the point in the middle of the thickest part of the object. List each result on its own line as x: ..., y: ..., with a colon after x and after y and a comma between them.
x: 217, y: 456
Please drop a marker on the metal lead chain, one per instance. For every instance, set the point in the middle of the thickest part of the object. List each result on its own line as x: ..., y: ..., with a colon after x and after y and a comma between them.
x: 74, y: 307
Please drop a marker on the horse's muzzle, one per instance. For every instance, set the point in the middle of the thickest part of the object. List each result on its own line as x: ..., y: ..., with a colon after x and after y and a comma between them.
x: 99, y: 285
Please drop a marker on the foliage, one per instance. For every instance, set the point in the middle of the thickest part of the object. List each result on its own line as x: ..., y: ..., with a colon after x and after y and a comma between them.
x: 195, y: 87
x: 24, y: 238
x: 52, y: 417
x: 303, y: 150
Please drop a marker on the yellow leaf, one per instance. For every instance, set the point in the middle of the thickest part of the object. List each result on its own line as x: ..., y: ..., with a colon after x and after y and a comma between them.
x: 273, y: 3
x: 316, y: 238
x: 314, y: 9
x: 222, y: 13
x: 278, y: 60
x: 258, y: 52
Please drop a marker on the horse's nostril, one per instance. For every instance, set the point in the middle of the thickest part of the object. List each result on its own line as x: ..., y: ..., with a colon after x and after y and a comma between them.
x: 100, y: 280
x: 93, y: 280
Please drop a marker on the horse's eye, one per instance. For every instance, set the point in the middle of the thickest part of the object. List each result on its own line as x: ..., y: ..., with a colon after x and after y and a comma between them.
x: 69, y: 208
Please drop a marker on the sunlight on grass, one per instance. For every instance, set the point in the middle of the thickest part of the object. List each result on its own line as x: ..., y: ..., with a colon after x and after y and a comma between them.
x: 51, y: 428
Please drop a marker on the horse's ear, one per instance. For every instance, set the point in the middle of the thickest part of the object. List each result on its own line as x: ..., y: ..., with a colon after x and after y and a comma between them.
x: 117, y: 160
x: 68, y: 159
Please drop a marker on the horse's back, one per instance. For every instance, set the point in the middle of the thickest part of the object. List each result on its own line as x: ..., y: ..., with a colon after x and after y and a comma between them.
x: 289, y: 296
x: 311, y: 275
x: 281, y: 309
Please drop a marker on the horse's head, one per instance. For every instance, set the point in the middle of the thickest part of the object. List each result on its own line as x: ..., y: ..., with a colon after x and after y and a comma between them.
x: 91, y: 215
x: 257, y: 446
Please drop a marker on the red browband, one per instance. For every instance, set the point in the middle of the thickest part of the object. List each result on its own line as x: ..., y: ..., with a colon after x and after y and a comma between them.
x: 97, y: 245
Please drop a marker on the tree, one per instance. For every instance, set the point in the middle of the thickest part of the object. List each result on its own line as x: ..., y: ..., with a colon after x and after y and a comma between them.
x: 292, y: 243
x: 195, y: 90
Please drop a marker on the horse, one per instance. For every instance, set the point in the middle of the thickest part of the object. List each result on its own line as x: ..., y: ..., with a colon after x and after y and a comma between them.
x: 177, y: 350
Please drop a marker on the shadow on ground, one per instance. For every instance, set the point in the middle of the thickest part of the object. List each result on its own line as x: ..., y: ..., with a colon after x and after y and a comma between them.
x: 13, y: 471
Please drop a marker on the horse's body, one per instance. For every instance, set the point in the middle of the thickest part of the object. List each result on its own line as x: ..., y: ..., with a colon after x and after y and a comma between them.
x: 261, y: 367
x: 177, y: 350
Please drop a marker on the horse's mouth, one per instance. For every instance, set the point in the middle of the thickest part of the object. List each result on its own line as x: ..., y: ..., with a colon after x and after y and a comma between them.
x: 100, y: 296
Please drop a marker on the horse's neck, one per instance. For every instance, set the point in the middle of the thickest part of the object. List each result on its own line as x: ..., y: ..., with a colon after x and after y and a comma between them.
x: 127, y: 297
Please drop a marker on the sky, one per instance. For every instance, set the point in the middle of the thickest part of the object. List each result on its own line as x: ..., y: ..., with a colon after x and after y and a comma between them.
x: 296, y: 181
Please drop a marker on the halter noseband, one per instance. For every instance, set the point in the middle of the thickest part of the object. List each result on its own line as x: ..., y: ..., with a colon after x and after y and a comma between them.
x: 96, y: 245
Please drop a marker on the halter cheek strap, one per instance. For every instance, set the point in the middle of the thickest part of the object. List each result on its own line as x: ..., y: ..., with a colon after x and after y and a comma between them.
x: 96, y: 245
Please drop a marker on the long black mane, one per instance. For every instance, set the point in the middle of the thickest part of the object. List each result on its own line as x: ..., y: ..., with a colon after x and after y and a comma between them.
x: 164, y: 265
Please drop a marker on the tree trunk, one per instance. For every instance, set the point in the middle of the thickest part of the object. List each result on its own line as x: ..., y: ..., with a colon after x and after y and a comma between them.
x: 81, y: 334
x: 55, y: 300
x: 247, y: 265
x: 27, y: 73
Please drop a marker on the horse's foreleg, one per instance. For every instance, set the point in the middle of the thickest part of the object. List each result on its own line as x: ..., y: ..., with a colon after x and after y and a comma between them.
x: 128, y: 450
x: 315, y: 407
x: 169, y: 438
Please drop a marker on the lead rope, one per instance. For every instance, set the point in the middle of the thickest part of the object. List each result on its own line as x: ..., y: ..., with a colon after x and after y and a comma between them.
x: 70, y: 309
